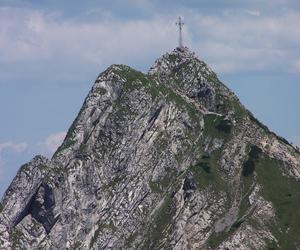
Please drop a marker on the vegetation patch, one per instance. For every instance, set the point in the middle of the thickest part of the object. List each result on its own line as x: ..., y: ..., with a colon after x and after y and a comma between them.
x: 66, y: 144
x: 100, y: 91
x: 101, y: 227
x: 161, y: 223
x: 95, y: 236
x: 284, y: 193
x: 123, y: 108
x: 212, y: 77
x: 248, y: 167
x: 216, y: 239
x: 265, y: 128
x: 233, y: 104
x: 224, y: 126
x: 15, y: 237
x: 237, y: 224
x: 131, y: 239
x: 249, y: 164
x: 168, y: 93
x: 254, y: 119
x: 203, y: 175
x: 172, y: 58
x: 217, y: 126
x: 205, y: 172
x: 247, y: 186
x: 77, y: 245
x: 205, y: 166
x: 114, y: 182
x: 154, y: 186
x: 271, y: 245
x: 83, y: 147
x: 136, y: 79
x: 163, y: 184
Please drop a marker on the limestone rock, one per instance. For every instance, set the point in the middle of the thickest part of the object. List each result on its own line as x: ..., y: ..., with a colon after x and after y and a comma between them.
x: 165, y: 160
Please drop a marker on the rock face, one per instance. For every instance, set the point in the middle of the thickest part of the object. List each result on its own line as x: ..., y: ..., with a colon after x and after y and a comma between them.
x: 164, y: 160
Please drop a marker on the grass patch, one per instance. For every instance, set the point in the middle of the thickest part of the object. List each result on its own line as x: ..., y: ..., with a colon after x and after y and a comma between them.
x: 249, y: 164
x: 255, y: 152
x: 101, y: 227
x: 216, y: 239
x: 271, y: 245
x: 15, y: 237
x: 66, y: 144
x: 217, y: 126
x: 160, y: 224
x: 163, y: 184
x: 131, y: 239
x: 205, y: 172
x: 265, y: 128
x: 203, y: 175
x: 284, y: 193
x: 247, y: 185
x: 248, y: 167
x: 136, y: 79
x: 239, y: 111
x: 212, y: 77
x: 173, y: 58
x: 77, y: 245
x: 224, y: 126
x: 100, y: 91
x: 254, y: 119
x: 237, y: 224
x: 95, y: 236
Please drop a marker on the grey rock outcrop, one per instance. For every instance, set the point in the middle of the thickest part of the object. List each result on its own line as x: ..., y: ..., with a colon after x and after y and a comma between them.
x: 164, y: 160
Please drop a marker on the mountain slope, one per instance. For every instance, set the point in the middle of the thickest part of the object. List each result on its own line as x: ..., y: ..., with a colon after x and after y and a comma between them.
x: 170, y: 159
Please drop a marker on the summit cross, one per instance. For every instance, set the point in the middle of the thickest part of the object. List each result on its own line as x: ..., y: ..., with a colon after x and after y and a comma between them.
x: 180, y: 23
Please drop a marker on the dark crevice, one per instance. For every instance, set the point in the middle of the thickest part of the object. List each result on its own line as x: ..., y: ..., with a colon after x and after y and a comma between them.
x: 25, y: 211
x: 189, y: 187
x: 151, y: 121
x: 40, y: 207
x: 155, y: 115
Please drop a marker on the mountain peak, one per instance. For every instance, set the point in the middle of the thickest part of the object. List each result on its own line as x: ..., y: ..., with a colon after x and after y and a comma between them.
x: 185, y: 73
x: 167, y: 160
x: 183, y: 53
x: 172, y: 60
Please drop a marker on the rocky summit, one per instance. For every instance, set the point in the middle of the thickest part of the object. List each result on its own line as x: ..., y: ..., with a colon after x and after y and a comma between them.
x: 165, y: 160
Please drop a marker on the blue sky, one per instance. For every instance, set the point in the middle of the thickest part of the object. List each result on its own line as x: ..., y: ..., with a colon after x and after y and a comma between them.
x: 52, y: 51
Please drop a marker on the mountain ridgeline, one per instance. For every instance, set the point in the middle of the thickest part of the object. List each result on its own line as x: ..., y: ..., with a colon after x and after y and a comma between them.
x: 165, y: 160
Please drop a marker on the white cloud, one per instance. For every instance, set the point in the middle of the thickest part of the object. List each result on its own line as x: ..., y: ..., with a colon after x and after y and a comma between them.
x: 234, y: 42
x: 53, y: 141
x: 253, y: 12
x: 17, y: 147
x: 231, y: 42
x: 32, y: 35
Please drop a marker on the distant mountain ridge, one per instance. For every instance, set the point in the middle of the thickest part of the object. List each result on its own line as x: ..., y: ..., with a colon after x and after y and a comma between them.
x: 165, y: 160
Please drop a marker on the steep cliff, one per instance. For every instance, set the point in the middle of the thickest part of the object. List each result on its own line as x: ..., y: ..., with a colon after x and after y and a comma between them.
x: 168, y: 159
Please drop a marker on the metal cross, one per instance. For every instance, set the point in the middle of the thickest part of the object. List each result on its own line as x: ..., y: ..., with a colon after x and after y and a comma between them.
x: 180, y: 23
